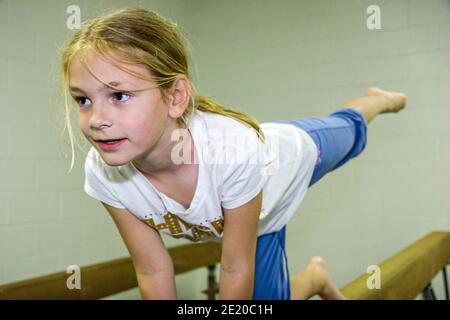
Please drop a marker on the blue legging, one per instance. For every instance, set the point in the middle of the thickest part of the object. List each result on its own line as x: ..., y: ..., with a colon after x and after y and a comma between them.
x: 339, y: 137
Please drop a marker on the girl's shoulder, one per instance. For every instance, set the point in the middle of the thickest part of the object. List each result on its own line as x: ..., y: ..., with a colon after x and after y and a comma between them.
x: 224, y: 133
x: 222, y: 125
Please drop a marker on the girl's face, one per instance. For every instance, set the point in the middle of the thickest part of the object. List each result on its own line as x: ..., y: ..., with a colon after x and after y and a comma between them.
x: 140, y: 118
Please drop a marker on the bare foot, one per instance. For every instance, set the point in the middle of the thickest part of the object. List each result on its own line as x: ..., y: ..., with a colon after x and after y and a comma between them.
x: 328, y: 291
x: 397, y: 99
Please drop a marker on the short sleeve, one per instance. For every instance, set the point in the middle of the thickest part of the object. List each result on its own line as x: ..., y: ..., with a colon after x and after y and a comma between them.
x: 96, y: 182
x: 244, y: 178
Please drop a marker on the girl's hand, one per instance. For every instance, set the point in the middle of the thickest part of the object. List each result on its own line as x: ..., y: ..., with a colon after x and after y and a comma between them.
x: 397, y: 99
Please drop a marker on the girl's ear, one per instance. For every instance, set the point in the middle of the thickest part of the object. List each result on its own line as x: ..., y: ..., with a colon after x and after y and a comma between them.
x: 179, y: 97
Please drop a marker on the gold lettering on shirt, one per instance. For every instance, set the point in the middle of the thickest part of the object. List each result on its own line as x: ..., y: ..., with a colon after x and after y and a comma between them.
x: 178, y: 228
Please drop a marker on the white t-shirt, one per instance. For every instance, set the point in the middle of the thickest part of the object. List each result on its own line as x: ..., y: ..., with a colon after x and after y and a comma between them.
x: 234, y: 166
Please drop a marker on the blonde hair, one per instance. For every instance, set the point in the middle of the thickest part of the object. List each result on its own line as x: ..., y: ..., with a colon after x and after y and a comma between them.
x: 140, y: 36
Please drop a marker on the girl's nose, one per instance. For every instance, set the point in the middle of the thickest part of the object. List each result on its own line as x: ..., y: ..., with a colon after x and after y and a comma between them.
x: 99, y: 118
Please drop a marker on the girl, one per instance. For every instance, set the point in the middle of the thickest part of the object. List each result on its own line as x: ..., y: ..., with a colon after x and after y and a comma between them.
x: 164, y: 159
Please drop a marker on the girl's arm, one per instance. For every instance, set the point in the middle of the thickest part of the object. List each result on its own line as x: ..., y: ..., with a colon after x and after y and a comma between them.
x: 239, y: 250
x: 152, y: 262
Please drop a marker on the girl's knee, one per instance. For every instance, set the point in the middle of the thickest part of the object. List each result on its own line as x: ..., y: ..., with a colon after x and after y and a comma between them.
x: 359, y: 125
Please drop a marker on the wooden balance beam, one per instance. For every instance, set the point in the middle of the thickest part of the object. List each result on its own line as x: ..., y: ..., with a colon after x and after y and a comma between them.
x: 403, y: 276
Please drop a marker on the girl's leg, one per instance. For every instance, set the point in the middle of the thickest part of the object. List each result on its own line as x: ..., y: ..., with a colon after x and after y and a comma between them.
x: 315, y: 279
x: 342, y: 135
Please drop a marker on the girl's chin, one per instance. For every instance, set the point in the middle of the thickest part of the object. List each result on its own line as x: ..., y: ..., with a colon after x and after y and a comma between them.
x: 114, y: 159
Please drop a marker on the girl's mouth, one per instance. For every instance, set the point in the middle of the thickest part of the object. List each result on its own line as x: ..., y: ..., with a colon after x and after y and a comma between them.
x: 108, y: 145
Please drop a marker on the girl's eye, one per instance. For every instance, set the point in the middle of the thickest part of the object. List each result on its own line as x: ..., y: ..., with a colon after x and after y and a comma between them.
x: 79, y: 99
x: 118, y: 95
